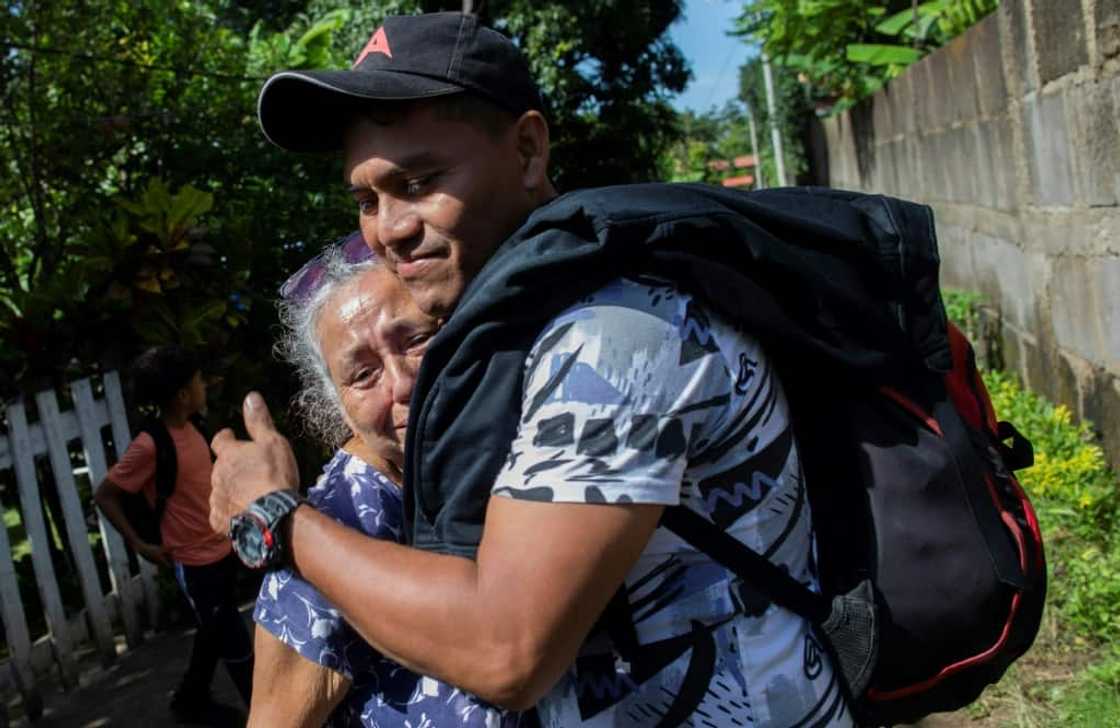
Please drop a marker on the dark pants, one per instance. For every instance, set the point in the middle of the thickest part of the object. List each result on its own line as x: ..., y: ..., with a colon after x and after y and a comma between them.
x: 221, y: 632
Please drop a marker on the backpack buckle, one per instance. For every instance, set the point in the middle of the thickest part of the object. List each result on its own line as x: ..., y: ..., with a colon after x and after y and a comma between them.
x: 1020, y: 453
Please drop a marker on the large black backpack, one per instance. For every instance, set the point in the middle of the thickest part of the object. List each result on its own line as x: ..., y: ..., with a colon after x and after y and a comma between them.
x: 930, y: 554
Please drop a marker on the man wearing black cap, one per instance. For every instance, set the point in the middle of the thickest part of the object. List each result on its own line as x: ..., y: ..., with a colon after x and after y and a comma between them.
x: 585, y: 391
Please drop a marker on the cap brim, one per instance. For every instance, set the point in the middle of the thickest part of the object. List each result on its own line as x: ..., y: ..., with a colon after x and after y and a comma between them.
x: 307, y: 111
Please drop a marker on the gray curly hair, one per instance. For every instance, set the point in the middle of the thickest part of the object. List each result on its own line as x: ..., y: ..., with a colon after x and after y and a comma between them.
x: 317, y: 404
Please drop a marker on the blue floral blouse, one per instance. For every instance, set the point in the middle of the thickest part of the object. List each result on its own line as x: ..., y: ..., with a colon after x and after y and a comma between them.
x: 383, y: 693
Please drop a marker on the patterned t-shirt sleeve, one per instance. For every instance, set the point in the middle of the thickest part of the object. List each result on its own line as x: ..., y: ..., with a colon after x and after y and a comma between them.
x: 618, y: 390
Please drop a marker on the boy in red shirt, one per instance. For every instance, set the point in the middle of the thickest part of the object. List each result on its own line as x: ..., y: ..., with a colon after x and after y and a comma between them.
x: 170, y: 378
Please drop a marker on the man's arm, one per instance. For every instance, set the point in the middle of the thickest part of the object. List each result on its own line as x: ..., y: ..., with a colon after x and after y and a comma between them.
x: 108, y: 498
x: 504, y: 627
x: 289, y: 690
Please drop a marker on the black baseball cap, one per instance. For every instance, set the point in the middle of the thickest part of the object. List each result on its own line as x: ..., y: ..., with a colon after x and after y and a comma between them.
x: 410, y: 57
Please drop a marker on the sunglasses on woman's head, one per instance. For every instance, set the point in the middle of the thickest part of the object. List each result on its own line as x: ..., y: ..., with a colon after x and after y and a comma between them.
x: 302, y: 284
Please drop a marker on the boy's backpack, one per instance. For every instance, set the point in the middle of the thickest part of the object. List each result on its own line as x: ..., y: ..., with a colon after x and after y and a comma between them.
x: 144, y: 518
x: 930, y: 554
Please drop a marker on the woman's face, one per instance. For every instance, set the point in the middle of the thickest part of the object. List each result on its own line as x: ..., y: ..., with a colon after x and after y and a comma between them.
x: 372, y: 337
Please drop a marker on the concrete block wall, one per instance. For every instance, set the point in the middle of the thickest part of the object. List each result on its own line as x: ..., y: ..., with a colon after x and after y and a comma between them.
x: 1012, y: 134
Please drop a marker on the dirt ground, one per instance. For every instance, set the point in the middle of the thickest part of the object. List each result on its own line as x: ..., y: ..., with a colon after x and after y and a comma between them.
x: 135, y: 691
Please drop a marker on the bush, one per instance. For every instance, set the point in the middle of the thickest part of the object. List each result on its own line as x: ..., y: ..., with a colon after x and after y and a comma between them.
x: 963, y: 308
x: 1093, y: 697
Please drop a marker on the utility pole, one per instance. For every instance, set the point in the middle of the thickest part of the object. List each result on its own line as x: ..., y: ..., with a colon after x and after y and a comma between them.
x: 775, y: 134
x: 758, y: 183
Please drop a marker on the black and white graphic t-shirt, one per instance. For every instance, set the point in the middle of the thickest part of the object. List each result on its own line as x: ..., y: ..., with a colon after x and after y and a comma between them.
x: 638, y: 394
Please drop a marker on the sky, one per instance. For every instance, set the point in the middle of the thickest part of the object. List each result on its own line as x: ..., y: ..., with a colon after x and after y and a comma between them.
x: 714, y: 56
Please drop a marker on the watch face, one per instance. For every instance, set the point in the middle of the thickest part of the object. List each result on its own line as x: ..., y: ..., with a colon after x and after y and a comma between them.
x: 248, y: 536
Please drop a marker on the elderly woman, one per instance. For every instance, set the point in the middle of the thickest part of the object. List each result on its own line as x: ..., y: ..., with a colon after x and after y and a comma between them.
x: 356, y: 339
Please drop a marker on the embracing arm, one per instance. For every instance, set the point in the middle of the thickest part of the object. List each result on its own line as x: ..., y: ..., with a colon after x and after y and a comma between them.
x: 504, y: 627
x: 290, y: 690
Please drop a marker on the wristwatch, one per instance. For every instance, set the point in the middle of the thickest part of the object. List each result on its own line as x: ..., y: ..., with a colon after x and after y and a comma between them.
x: 255, y: 532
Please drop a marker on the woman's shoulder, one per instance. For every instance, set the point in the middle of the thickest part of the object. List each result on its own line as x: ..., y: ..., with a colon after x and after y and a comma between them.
x: 355, y: 493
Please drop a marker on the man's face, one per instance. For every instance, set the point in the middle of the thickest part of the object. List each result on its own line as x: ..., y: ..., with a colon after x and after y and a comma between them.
x: 435, y: 198
x: 372, y: 338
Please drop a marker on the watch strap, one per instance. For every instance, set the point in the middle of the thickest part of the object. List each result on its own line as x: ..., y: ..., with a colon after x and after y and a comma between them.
x: 273, y: 507
x: 267, y: 514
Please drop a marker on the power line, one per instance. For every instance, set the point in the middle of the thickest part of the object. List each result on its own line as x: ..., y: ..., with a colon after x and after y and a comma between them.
x: 4, y: 43
x: 719, y: 76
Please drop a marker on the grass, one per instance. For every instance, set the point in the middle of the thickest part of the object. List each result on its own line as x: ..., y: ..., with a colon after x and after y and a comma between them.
x: 16, y: 533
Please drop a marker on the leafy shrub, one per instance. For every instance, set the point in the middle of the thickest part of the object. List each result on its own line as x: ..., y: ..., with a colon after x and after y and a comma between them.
x: 1070, y: 477
x: 847, y: 50
x: 963, y: 308
x: 1094, y: 697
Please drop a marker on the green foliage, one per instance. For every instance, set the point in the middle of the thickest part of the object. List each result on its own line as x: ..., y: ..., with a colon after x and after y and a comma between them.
x: 963, y: 308
x: 706, y: 138
x: 1070, y: 473
x: 935, y: 22
x: 847, y: 50
x: 1094, y: 698
x: 608, y: 71
x: 879, y: 54
x: 141, y: 204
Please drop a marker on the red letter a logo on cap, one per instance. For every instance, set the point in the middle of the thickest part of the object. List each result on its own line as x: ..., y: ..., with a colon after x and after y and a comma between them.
x: 377, y: 44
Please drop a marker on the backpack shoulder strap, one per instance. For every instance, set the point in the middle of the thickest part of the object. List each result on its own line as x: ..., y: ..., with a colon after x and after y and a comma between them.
x: 203, y: 428
x: 167, y: 462
x: 745, y: 563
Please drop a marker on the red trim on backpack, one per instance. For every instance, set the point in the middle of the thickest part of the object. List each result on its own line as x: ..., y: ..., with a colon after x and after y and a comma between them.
x: 950, y: 670
x: 965, y: 379
x: 1032, y: 520
x: 964, y: 386
x: 912, y: 407
x: 981, y: 391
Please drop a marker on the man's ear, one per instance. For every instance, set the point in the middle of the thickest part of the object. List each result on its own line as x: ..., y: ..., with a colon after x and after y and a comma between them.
x: 532, y: 140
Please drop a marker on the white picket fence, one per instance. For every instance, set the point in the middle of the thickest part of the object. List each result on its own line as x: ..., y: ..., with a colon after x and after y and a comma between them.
x: 130, y: 593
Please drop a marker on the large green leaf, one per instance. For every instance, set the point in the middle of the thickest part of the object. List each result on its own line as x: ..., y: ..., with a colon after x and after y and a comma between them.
x: 187, y: 205
x: 895, y: 24
x: 319, y: 34
x: 878, y: 54
x: 904, y: 20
